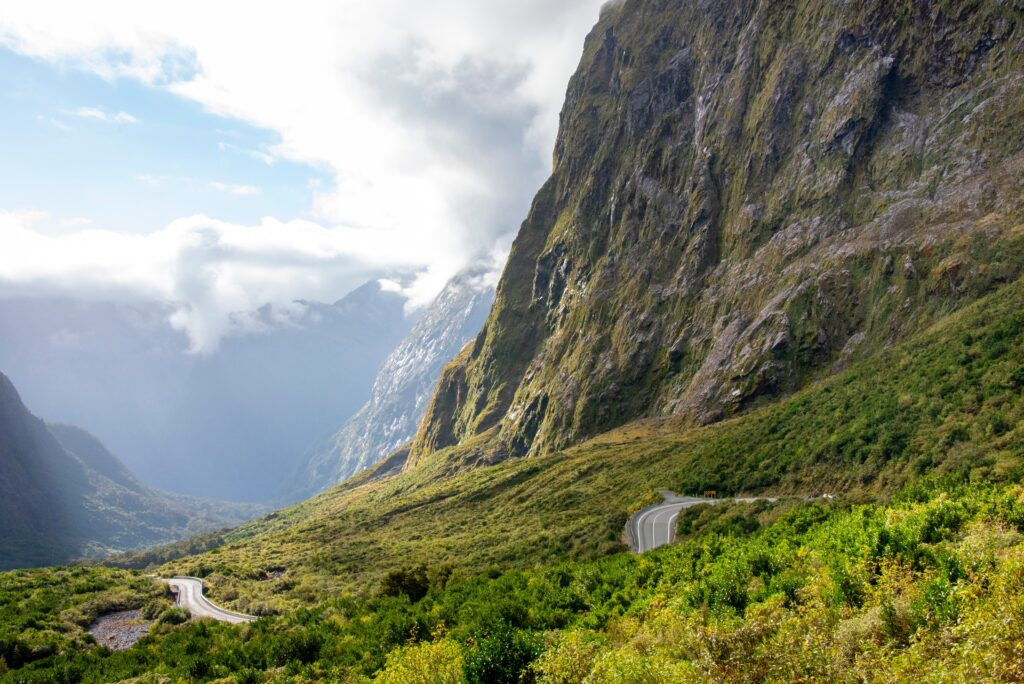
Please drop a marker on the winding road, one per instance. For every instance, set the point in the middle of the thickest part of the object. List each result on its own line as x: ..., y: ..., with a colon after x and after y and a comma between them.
x: 190, y: 597
x: 655, y: 525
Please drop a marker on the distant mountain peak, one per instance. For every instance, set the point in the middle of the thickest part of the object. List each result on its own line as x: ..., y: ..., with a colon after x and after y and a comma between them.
x: 403, y: 386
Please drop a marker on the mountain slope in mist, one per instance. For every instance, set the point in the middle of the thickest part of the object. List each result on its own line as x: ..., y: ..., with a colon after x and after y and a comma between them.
x: 227, y: 425
x: 64, y: 496
x: 402, y: 388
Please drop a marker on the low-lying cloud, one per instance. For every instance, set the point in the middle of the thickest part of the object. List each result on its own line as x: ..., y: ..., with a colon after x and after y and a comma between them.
x: 209, y: 269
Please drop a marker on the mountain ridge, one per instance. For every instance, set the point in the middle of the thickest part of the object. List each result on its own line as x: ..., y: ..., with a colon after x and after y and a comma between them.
x: 946, y: 403
x: 402, y: 388
x: 243, y: 414
x: 744, y: 197
x: 65, y: 497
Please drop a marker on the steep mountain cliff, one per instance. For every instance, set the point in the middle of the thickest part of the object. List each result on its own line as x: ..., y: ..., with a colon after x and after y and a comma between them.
x: 750, y: 199
x: 403, y: 386
x: 746, y: 196
x: 63, y: 496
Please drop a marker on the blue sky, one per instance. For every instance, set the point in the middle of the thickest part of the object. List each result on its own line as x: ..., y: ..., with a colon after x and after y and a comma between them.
x: 221, y: 156
x: 175, y: 159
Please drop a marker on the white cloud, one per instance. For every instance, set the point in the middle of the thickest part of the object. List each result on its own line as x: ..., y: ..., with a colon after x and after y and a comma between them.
x: 75, y: 222
x: 262, y: 156
x: 209, y: 269
x: 100, y: 115
x: 435, y: 120
x: 235, y: 188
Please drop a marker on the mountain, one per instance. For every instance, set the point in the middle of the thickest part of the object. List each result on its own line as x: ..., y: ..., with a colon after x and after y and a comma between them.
x: 944, y: 408
x: 780, y: 255
x: 403, y: 386
x: 238, y: 415
x: 41, y: 488
x: 912, y: 572
x: 780, y: 251
x: 94, y: 455
x: 746, y: 197
x: 63, y: 496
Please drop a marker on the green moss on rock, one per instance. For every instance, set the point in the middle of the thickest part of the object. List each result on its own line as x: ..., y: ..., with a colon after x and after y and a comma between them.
x: 747, y: 196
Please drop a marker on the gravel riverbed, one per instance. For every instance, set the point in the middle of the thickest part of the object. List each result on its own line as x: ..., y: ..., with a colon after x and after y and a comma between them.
x: 118, y: 631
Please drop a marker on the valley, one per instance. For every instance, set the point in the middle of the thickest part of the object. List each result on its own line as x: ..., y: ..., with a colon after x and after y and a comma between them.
x: 745, y: 404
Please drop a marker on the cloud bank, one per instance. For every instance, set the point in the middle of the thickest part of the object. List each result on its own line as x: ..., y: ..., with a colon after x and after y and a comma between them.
x: 435, y: 120
x: 211, y: 269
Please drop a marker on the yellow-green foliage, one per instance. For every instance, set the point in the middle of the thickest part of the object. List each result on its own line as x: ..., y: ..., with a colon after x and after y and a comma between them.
x: 949, y: 401
x: 927, y: 588
x: 433, y: 662
x: 948, y: 611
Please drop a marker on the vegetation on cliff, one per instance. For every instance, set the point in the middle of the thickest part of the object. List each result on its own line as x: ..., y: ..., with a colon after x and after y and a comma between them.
x: 948, y: 401
x: 746, y: 196
x: 780, y: 253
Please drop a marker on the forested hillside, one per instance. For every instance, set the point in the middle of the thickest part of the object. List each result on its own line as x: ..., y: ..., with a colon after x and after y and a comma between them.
x: 64, y: 497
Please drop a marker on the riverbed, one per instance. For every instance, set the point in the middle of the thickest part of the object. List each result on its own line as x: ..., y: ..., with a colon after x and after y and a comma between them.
x: 118, y: 631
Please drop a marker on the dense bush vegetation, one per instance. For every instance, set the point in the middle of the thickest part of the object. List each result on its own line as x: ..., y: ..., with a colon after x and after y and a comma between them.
x: 46, y: 611
x: 929, y: 587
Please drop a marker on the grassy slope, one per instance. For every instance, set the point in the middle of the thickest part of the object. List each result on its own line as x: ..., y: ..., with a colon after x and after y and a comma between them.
x: 927, y: 588
x: 950, y: 400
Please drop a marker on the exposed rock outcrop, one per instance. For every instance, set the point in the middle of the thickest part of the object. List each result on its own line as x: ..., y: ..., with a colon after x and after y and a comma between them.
x: 403, y: 386
x: 744, y: 195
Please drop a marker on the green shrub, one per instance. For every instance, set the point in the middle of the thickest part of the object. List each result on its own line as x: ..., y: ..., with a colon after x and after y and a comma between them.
x: 436, y: 662
x: 412, y: 582
x: 503, y: 656
x: 301, y: 645
x: 173, y: 616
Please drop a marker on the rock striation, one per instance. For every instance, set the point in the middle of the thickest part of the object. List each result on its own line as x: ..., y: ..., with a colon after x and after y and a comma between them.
x: 746, y: 195
x: 403, y: 386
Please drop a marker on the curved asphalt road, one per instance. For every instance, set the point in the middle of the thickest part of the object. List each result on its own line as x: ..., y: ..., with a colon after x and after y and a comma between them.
x: 655, y: 525
x: 190, y: 597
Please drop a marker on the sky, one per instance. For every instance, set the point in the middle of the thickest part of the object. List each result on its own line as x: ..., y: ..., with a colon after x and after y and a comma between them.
x: 223, y: 155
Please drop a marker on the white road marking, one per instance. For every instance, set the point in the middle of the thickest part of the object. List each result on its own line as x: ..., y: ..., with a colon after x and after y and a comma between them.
x: 645, y: 525
x: 672, y: 526
x: 190, y: 597
x: 642, y: 525
x: 658, y: 520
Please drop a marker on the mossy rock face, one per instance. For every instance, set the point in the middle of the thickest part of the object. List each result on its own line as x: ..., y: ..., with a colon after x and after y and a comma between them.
x: 747, y: 196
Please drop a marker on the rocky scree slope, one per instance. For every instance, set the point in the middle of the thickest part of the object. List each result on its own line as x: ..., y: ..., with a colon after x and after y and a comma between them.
x: 403, y: 386
x: 746, y: 196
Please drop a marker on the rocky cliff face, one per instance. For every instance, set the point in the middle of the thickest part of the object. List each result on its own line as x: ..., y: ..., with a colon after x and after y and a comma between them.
x: 746, y: 195
x: 404, y: 385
